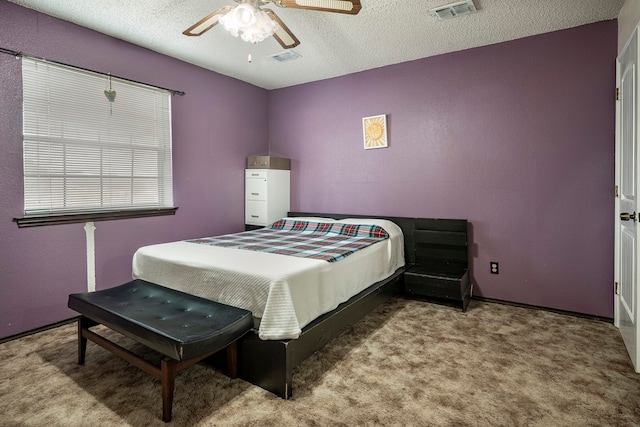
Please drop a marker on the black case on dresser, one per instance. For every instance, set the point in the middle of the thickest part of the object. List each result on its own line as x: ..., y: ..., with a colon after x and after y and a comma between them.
x: 441, y: 269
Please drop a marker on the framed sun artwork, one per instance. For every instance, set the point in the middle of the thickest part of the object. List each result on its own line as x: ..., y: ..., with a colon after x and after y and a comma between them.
x: 374, y: 131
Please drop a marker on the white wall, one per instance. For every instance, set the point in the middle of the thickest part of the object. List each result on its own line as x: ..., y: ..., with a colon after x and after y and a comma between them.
x: 627, y: 20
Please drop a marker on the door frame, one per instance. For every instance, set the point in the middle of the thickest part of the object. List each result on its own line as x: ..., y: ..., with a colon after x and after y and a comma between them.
x: 616, y: 245
x: 618, y: 199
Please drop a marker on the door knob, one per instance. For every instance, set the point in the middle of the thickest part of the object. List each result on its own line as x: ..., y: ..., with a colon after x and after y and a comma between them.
x: 626, y: 216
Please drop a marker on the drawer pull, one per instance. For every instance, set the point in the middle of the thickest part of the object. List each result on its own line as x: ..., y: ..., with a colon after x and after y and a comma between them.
x: 255, y: 216
x: 255, y: 174
x: 255, y: 194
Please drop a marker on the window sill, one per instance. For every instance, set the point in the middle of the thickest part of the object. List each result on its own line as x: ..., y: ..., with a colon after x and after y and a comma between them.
x: 42, y: 220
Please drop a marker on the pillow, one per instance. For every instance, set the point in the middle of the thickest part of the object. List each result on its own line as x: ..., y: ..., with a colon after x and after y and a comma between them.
x: 310, y: 219
x: 390, y: 227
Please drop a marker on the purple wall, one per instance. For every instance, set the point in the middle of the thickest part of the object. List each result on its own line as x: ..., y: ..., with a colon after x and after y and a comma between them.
x: 39, y: 267
x: 517, y: 137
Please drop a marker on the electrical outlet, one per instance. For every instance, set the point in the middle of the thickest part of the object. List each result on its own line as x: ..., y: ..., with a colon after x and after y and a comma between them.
x: 494, y: 267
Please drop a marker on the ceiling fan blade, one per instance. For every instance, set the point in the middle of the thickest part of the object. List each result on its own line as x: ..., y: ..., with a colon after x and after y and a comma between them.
x: 207, y: 22
x: 351, y: 7
x: 283, y: 34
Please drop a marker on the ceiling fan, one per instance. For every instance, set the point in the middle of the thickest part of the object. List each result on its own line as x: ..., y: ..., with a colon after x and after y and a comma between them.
x: 253, y: 23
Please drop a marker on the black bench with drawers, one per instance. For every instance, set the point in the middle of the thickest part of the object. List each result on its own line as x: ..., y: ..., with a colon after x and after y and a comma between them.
x: 441, y: 269
x: 183, y: 327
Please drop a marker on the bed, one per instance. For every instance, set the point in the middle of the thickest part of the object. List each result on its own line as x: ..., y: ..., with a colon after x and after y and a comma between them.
x: 299, y: 304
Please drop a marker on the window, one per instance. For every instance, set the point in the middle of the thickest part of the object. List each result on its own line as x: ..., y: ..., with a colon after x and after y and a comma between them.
x: 93, y: 144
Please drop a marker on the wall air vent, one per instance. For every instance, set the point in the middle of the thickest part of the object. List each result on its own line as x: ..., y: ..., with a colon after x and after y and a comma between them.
x: 287, y: 55
x: 453, y: 10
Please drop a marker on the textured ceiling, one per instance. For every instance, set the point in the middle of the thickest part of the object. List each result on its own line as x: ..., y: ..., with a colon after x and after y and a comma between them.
x: 384, y: 32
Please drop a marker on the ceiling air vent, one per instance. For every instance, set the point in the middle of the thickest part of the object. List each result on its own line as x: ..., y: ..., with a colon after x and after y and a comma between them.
x: 453, y: 10
x: 287, y: 55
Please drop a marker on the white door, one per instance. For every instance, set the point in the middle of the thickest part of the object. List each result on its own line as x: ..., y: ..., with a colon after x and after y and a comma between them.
x: 627, y: 296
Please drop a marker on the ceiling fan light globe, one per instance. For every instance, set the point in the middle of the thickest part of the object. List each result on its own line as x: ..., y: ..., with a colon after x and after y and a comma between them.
x: 251, y: 37
x: 245, y: 15
x: 257, y: 34
x: 251, y: 24
x: 240, y: 17
x: 265, y: 25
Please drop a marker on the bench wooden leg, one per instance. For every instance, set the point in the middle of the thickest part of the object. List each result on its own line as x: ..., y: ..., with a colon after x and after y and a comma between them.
x: 82, y: 340
x: 169, y: 371
x: 232, y: 359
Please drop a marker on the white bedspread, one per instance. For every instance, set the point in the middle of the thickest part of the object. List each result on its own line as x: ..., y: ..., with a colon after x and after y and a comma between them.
x: 284, y: 292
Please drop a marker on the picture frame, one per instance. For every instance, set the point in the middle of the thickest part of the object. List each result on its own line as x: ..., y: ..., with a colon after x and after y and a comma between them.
x: 374, y: 132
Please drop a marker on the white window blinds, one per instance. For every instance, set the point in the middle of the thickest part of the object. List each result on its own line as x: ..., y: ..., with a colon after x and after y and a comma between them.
x: 84, y: 153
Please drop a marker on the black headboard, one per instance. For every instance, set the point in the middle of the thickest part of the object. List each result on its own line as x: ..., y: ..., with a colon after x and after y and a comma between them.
x: 408, y: 226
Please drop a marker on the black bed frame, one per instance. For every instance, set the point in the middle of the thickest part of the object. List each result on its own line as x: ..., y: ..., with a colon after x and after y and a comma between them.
x: 270, y: 363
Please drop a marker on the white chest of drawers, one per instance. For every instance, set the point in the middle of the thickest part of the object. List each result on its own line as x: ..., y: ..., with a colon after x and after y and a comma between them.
x: 267, y: 195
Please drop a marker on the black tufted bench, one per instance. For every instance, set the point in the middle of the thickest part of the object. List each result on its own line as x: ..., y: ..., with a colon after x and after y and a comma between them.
x: 183, y: 327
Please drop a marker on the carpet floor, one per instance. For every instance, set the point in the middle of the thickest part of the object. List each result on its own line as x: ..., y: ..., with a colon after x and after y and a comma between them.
x: 408, y: 363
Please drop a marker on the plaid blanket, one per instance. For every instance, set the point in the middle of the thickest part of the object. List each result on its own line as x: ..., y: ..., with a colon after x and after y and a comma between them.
x: 326, y: 241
